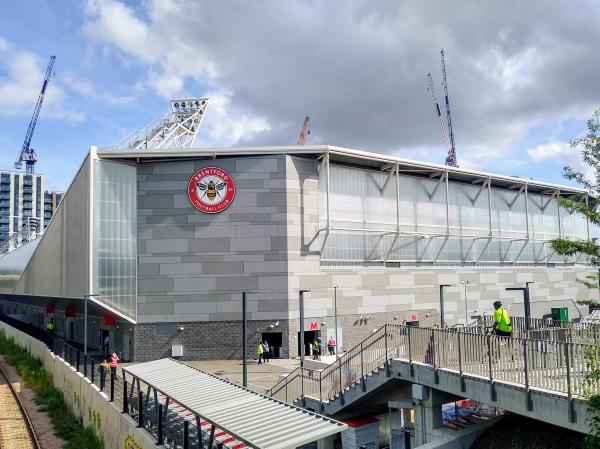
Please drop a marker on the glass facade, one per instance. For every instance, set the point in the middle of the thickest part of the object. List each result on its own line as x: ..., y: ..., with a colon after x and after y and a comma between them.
x: 114, y: 230
x: 432, y: 231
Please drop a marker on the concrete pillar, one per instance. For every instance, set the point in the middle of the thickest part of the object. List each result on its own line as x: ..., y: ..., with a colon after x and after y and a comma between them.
x: 428, y: 413
x: 325, y: 443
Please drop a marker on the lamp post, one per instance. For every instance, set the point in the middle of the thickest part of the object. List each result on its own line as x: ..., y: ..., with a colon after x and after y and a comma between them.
x: 301, y: 300
x: 526, y: 301
x: 335, y: 320
x: 465, y: 283
x: 442, y: 321
x: 85, y: 313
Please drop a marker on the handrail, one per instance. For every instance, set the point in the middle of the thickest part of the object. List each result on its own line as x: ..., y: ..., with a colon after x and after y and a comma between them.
x: 555, y: 365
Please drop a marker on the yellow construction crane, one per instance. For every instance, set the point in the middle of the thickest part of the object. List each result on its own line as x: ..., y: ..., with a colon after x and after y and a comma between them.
x: 305, y: 131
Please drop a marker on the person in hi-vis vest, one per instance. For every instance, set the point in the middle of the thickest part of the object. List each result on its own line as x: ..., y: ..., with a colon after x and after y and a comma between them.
x: 502, y: 325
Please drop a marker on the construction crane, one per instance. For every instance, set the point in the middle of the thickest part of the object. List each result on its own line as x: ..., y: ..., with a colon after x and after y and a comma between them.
x: 305, y: 131
x: 27, y: 153
x: 451, y: 157
x: 431, y: 89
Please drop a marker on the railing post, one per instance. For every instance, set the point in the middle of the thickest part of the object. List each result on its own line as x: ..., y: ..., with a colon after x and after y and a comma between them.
x: 321, y: 391
x: 410, y: 359
x: 159, y: 437
x: 286, y: 384
x: 140, y: 409
x: 387, y: 359
x: 186, y: 434
x: 112, y: 385
x: 529, y: 404
x: 125, y: 405
x: 85, y: 362
x: 341, y: 388
x: 436, y: 377
x: 463, y: 387
x: 77, y: 354
x: 93, y: 370
x: 572, y: 417
x: 363, y: 380
x: 491, y: 373
x: 302, y: 386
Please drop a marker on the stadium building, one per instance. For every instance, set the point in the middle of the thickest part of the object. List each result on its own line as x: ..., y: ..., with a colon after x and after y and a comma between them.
x: 164, y: 242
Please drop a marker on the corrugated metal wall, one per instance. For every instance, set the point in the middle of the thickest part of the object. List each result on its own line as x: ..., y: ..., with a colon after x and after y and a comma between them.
x: 363, y: 221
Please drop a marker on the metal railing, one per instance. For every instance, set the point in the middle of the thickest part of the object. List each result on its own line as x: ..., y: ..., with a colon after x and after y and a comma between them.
x: 557, y: 366
x: 170, y: 426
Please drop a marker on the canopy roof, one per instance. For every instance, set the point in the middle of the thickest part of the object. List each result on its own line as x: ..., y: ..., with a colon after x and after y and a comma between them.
x: 257, y: 420
x: 344, y: 156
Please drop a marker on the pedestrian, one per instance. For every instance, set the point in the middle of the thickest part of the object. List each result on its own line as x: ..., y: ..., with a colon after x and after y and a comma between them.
x: 103, y: 370
x: 320, y: 343
x: 266, y: 350
x: 50, y: 326
x: 114, y: 363
x: 105, y: 345
x: 260, y: 350
x: 331, y: 345
x: 315, y: 348
x: 502, y: 324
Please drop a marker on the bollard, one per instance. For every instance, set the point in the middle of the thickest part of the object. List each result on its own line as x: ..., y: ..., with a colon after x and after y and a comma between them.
x: 140, y: 409
x: 159, y: 437
x: 125, y: 405
x: 186, y: 434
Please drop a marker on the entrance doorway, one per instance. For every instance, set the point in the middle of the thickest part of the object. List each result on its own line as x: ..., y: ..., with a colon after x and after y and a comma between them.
x: 275, y: 340
x: 309, y: 337
x: 105, y: 342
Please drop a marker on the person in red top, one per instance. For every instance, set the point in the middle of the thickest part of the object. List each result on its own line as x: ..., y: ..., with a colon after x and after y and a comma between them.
x: 114, y: 363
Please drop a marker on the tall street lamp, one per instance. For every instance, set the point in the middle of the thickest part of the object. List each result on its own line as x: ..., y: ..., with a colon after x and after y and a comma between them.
x: 442, y: 320
x: 335, y: 319
x: 526, y: 301
x: 301, y: 299
x: 85, y: 321
x: 465, y: 283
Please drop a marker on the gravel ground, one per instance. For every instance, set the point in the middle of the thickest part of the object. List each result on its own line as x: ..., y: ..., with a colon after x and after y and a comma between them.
x: 40, y: 420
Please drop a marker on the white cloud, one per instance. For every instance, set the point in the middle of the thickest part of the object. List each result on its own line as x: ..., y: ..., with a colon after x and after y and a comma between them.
x: 225, y: 125
x: 359, y: 71
x: 3, y: 44
x: 20, y: 89
x: 560, y: 153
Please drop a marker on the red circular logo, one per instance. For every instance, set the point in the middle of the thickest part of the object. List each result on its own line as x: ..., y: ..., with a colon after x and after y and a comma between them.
x: 211, y: 190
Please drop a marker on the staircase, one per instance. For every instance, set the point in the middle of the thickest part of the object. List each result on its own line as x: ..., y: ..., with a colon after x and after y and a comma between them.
x: 460, y: 362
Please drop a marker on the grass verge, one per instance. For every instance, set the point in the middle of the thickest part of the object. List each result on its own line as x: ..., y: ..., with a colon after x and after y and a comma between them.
x: 49, y: 399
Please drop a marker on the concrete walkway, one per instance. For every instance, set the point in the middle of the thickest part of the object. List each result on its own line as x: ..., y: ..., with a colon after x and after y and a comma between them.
x: 260, y: 377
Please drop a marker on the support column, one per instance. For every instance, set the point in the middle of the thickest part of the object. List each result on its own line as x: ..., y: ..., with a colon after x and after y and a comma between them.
x: 428, y: 413
x: 325, y: 443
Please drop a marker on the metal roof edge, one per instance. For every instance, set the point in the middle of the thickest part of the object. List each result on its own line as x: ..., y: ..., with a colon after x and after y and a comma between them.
x: 333, y: 151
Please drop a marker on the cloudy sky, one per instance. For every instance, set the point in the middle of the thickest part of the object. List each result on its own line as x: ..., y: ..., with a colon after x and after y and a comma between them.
x: 523, y: 76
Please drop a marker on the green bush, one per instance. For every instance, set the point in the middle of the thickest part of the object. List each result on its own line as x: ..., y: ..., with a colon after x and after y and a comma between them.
x: 48, y: 398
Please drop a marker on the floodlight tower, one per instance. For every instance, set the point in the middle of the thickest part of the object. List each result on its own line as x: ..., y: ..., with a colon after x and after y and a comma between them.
x: 176, y: 130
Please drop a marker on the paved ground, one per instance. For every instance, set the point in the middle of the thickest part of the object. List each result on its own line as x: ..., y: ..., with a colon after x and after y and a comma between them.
x: 260, y: 377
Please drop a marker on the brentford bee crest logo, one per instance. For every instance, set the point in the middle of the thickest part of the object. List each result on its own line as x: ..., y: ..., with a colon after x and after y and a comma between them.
x: 211, y: 190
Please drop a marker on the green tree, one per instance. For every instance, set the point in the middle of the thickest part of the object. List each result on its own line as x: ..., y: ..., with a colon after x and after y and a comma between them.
x: 589, y: 144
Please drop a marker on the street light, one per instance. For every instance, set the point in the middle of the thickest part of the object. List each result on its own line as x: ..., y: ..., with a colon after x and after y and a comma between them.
x: 335, y: 321
x: 442, y: 321
x: 301, y: 300
x: 85, y: 321
x: 465, y: 283
x: 526, y: 301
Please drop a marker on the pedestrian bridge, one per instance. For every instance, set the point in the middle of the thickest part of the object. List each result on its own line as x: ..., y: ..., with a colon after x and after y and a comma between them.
x: 544, y: 380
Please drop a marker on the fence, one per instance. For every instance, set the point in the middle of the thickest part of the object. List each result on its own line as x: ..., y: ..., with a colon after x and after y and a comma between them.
x: 175, y: 430
x: 557, y: 366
